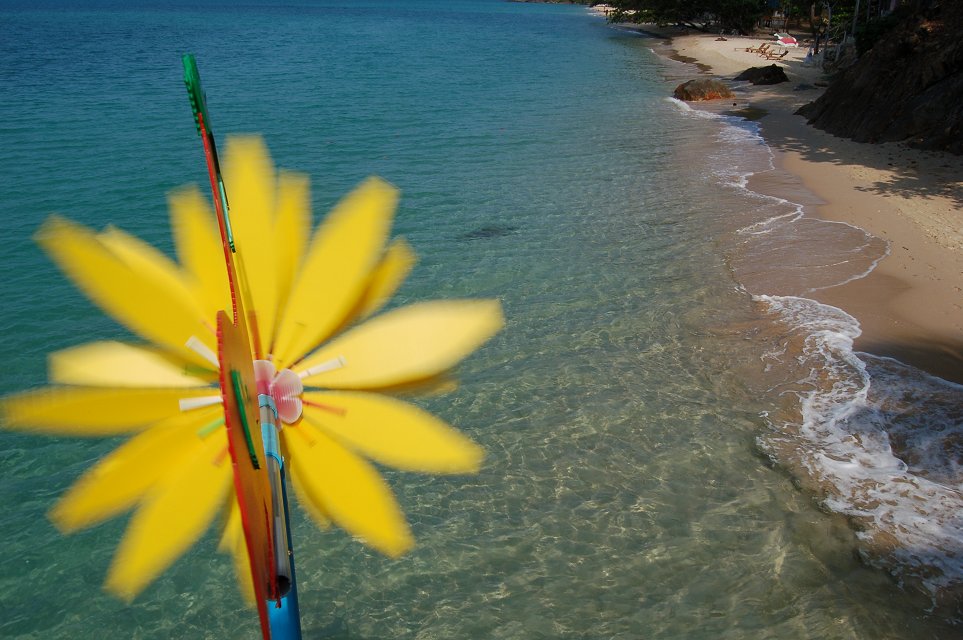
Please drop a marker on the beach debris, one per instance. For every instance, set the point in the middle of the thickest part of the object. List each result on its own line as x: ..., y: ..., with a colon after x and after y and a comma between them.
x: 702, y: 89
x: 773, y: 74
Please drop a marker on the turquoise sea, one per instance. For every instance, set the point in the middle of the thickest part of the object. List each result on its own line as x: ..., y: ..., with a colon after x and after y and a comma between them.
x: 679, y: 443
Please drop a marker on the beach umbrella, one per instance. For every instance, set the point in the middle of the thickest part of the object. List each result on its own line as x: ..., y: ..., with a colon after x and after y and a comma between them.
x: 265, y: 355
x: 786, y: 40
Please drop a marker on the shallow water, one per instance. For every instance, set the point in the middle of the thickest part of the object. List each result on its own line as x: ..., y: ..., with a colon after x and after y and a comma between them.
x: 635, y: 407
x: 873, y: 439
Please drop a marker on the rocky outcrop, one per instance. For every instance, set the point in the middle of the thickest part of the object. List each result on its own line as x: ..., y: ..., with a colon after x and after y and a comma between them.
x: 773, y: 74
x: 702, y: 89
x: 908, y: 87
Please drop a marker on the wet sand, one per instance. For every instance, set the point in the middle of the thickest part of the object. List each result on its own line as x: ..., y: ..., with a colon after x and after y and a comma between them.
x: 910, y: 307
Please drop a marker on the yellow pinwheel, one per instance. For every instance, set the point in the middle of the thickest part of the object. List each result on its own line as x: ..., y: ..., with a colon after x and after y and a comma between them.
x: 331, y: 375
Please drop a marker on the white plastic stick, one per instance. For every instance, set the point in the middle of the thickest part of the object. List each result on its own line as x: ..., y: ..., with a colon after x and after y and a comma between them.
x: 186, y: 404
x: 330, y: 365
x: 201, y: 349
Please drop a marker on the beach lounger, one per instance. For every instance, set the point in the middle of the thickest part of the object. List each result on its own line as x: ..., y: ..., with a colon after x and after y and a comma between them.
x: 760, y: 49
x: 776, y: 56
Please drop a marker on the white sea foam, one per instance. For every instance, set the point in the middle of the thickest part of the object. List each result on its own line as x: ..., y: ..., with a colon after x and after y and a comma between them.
x: 876, y: 436
x: 856, y: 276
x: 880, y: 439
x: 688, y: 110
x: 733, y: 168
x: 769, y: 224
x: 742, y: 153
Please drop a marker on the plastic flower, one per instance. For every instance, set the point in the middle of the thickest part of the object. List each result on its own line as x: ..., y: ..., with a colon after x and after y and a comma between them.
x: 332, y: 375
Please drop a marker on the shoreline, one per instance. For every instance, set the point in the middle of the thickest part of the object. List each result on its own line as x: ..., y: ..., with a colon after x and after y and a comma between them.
x: 910, y: 305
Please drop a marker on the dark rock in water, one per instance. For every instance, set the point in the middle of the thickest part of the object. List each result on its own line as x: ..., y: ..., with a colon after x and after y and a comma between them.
x: 773, y: 74
x: 489, y: 231
x: 908, y: 87
x: 803, y: 87
x: 748, y: 113
x: 702, y: 89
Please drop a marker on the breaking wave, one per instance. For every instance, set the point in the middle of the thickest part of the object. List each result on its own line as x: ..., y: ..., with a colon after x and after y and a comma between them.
x: 876, y: 440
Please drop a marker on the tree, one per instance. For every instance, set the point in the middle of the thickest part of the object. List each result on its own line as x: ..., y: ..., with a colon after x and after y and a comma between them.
x: 704, y: 15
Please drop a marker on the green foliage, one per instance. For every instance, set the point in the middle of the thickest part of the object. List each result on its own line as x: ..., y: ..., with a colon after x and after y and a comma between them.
x: 817, y: 13
x: 737, y: 15
x: 742, y: 15
x: 871, y: 32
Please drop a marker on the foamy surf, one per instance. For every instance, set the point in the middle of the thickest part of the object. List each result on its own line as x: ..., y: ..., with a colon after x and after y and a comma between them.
x: 876, y: 440
x: 879, y: 442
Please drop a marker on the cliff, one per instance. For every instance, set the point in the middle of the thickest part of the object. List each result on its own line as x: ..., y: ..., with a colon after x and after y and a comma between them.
x: 908, y: 87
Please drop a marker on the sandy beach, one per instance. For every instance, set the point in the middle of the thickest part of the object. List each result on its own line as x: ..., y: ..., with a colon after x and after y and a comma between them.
x: 910, y: 306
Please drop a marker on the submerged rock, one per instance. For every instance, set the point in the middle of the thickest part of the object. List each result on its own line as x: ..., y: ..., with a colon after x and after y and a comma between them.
x: 702, y: 89
x: 773, y: 74
x: 489, y: 231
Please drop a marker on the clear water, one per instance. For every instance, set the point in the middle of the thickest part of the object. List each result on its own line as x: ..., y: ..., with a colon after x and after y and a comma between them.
x: 651, y: 413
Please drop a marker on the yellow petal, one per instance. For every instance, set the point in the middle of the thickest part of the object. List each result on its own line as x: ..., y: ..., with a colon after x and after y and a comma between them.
x: 434, y: 386
x: 200, y: 250
x: 352, y: 492
x: 406, y: 345
x: 121, y: 479
x: 93, y: 411
x: 148, y: 304
x: 292, y: 226
x: 231, y: 529
x: 393, y: 432
x: 175, y: 513
x: 305, y: 499
x: 335, y: 272
x: 146, y: 260
x: 251, y: 185
x: 164, y: 275
x: 387, y: 277
x: 117, y: 364
x: 232, y: 542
